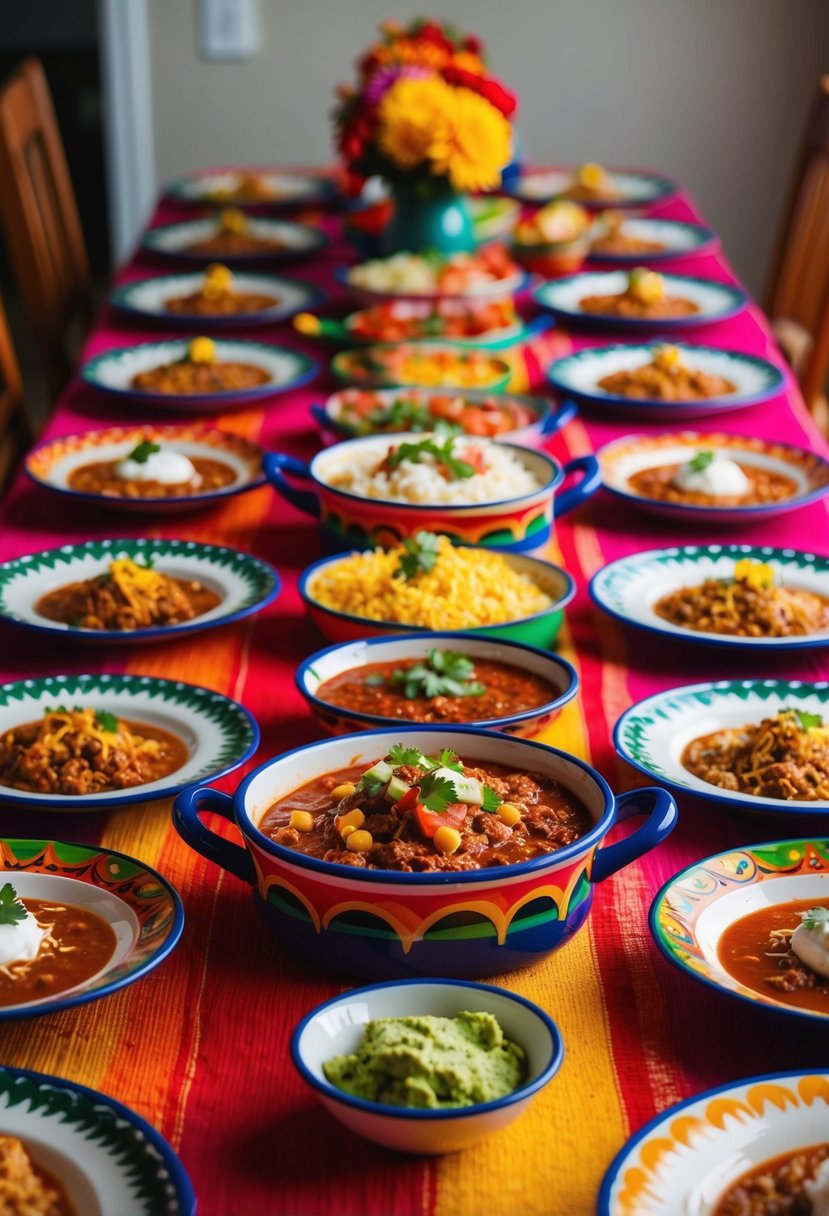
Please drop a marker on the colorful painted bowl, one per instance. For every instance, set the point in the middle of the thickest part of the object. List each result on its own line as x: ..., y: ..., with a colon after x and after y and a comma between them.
x: 349, y: 331
x: 686, y: 1158
x: 143, y: 910
x: 51, y: 464
x: 715, y: 301
x: 398, y: 363
x: 220, y: 734
x: 547, y: 417
x: 522, y: 524
x: 629, y: 588
x: 336, y: 1028
x: 694, y: 908
x: 275, y: 188
x: 497, y: 289
x: 291, y: 241
x: 113, y: 373
x: 653, y: 734
x: 755, y: 380
x: 623, y: 458
x: 326, y: 664
x: 383, y: 925
x: 146, y: 300
x: 679, y: 240
x: 110, y: 1160
x: 244, y: 584
x: 540, y: 630
x: 628, y: 187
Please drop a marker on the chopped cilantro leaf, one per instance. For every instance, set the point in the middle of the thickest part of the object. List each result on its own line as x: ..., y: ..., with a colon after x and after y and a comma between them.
x: 106, y: 720
x: 491, y: 800
x: 375, y: 680
x: 12, y: 911
x: 701, y: 461
x: 420, y: 556
x: 805, y: 720
x: 371, y: 786
x: 450, y: 759
x: 436, y: 793
x: 815, y: 918
x: 442, y: 674
x: 441, y: 446
x: 398, y: 754
x: 145, y: 449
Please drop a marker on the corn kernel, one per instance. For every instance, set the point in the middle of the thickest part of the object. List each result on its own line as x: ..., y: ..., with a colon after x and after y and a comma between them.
x: 202, y: 350
x: 342, y: 791
x: 352, y: 819
x: 509, y: 814
x: 347, y: 830
x: 301, y: 821
x: 447, y: 840
x: 359, y: 842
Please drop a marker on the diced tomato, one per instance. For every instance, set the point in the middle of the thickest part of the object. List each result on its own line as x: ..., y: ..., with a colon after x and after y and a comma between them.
x: 409, y: 799
x: 429, y: 821
x: 475, y: 457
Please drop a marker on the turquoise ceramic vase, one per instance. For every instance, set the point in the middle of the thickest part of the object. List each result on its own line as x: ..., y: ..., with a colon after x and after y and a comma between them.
x: 428, y: 214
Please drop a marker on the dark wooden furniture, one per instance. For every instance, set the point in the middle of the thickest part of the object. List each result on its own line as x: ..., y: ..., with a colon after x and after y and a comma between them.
x: 15, y: 430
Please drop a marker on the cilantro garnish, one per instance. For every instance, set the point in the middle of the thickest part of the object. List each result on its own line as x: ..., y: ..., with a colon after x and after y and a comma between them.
x: 805, y: 720
x: 701, y: 461
x: 441, y: 446
x: 371, y: 786
x: 404, y: 414
x: 436, y: 793
x: 443, y: 674
x: 450, y: 759
x: 491, y: 800
x: 106, y: 720
x: 145, y: 449
x: 398, y: 754
x: 815, y: 918
x: 375, y: 680
x: 12, y: 911
x: 420, y: 556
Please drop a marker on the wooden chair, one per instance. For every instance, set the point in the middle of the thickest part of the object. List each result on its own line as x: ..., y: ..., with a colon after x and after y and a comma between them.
x: 15, y: 430
x: 797, y: 299
x: 40, y: 218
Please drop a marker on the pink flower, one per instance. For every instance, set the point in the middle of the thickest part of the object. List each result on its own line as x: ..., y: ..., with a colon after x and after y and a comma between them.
x: 383, y: 79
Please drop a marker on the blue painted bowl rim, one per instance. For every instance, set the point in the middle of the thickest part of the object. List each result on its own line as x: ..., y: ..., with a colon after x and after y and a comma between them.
x: 319, y: 240
x: 159, y: 633
x: 325, y: 188
x: 315, y: 297
x: 776, y: 380
x: 410, y: 1114
x: 311, y: 603
x: 603, y: 1201
x: 786, y: 1011
x: 377, y: 719
x: 535, y: 865
x: 666, y: 187
x: 14, y: 1014
x: 706, y: 241
x: 752, y: 808
x: 522, y: 284
x: 308, y: 369
x: 185, y: 1195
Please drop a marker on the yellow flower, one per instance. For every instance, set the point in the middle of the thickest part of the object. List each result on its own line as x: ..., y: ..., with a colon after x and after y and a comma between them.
x: 473, y: 143
x: 201, y: 350
x: 409, y: 113
x: 758, y: 575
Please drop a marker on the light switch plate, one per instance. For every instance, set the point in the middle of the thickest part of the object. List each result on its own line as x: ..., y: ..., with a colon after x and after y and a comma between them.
x: 229, y: 29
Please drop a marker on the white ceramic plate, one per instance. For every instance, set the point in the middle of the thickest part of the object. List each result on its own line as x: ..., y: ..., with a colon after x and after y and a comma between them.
x: 680, y: 240
x: 172, y: 241
x: 148, y: 298
x: 629, y: 187
x: 283, y: 189
x: 653, y: 734
x: 715, y: 301
x: 628, y: 588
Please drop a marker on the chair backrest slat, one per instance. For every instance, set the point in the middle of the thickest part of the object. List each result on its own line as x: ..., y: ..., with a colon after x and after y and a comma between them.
x: 15, y: 431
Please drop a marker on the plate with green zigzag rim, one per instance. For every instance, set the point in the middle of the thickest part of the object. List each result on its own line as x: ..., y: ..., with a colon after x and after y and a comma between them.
x: 243, y: 584
x: 218, y: 734
x: 654, y: 735
x: 109, y: 1160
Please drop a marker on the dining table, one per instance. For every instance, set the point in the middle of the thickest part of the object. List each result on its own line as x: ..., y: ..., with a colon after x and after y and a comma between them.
x: 200, y: 1047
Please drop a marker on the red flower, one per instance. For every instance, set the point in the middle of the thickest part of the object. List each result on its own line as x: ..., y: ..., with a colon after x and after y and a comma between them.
x: 431, y: 32
x: 474, y: 44
x: 494, y: 92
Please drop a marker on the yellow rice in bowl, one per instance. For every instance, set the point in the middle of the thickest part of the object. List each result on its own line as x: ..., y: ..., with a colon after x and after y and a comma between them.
x: 465, y: 589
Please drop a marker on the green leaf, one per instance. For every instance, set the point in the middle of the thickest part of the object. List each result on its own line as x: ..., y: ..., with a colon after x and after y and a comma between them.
x: 443, y: 674
x: 805, y: 720
x: 450, y: 759
x: 441, y: 446
x: 12, y: 911
x: 371, y: 786
x: 420, y: 556
x: 436, y: 793
x: 106, y: 720
x: 398, y: 754
x: 491, y: 800
x: 701, y: 461
x: 145, y: 449
x: 815, y: 918
x: 375, y: 680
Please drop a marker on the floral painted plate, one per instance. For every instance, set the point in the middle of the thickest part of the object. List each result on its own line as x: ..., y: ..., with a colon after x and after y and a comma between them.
x: 290, y: 241
x: 623, y: 458
x: 244, y: 584
x: 114, y: 371
x: 685, y: 1159
x: 110, y: 1160
x: 629, y: 588
x: 715, y: 301
x: 271, y: 188
x: 143, y: 910
x: 51, y: 464
x: 693, y: 909
x: 628, y: 187
x: 679, y: 240
x: 653, y: 734
x: 219, y: 733
x: 755, y: 380
x: 146, y: 299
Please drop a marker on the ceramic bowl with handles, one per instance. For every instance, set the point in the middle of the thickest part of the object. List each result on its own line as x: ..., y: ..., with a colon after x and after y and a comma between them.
x: 383, y: 924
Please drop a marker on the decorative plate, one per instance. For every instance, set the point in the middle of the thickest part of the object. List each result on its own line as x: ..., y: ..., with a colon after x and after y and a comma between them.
x: 679, y: 240
x: 144, y: 911
x: 51, y: 464
x: 578, y: 376
x: 694, y: 908
x: 688, y: 1156
x: 220, y: 734
x: 653, y: 734
x: 111, y: 1161
x: 629, y: 188
x: 624, y: 458
x: 244, y: 584
x: 174, y: 240
x: 497, y: 289
x: 628, y: 588
x: 146, y: 299
x: 278, y: 189
x: 715, y: 301
x: 113, y: 373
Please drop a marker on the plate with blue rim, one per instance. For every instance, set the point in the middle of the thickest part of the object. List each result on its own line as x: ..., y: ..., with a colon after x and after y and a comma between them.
x: 714, y: 301
x: 286, y: 240
x: 626, y: 187
x: 148, y: 299
x: 629, y: 588
x: 677, y: 238
x: 218, y: 734
x: 108, y: 1158
x: 266, y: 188
x: 114, y: 371
x: 653, y: 734
x: 143, y: 911
x: 244, y: 584
x: 755, y: 380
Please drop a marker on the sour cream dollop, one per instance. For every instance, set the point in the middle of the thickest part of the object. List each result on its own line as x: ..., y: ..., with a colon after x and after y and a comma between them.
x: 811, y: 945
x: 818, y: 1190
x: 20, y: 943
x: 166, y: 467
x: 720, y: 476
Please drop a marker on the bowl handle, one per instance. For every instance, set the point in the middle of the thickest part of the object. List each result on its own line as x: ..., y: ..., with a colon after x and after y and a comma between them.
x: 662, y: 814
x: 590, y: 481
x: 186, y: 809
x: 556, y: 419
x: 275, y: 466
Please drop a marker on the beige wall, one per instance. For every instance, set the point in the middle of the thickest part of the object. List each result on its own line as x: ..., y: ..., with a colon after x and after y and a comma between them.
x: 712, y: 91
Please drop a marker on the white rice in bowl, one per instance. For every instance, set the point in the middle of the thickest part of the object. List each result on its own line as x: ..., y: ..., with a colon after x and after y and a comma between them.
x: 425, y: 481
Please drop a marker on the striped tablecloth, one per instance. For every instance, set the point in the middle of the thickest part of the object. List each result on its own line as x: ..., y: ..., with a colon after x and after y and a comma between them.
x: 200, y: 1047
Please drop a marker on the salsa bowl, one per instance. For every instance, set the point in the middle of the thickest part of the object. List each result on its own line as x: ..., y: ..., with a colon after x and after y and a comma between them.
x: 426, y: 364
x: 386, y: 924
